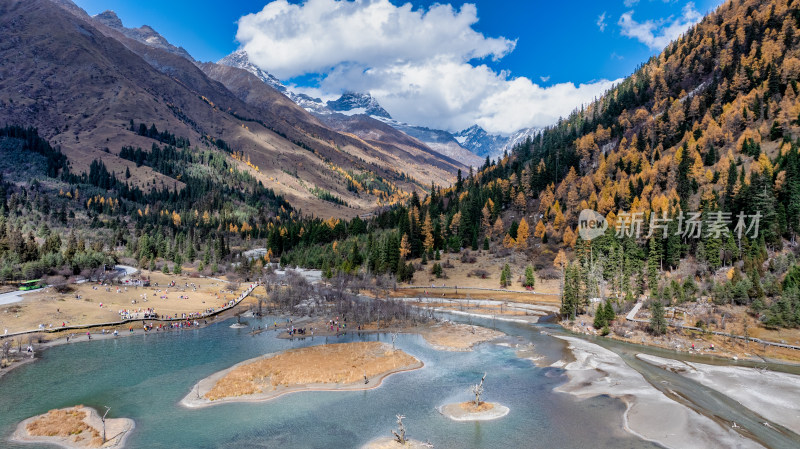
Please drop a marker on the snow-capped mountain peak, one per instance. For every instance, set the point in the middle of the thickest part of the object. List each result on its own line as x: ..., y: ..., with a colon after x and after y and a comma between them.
x: 473, y: 140
x: 240, y: 60
x: 351, y: 103
x: 477, y: 140
x: 480, y: 142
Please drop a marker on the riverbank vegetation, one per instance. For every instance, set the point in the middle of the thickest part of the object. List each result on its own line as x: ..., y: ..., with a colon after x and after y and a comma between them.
x: 693, y: 163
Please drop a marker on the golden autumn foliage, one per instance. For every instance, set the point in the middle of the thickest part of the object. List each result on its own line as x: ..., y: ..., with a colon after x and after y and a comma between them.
x: 540, y: 229
x: 509, y: 242
x: 701, y: 96
x: 523, y: 232
x: 498, y: 226
x: 569, y: 237
x: 427, y: 233
x: 561, y: 260
x: 405, y: 247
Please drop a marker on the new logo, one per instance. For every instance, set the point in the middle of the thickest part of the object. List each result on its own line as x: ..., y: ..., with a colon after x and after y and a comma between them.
x: 591, y: 224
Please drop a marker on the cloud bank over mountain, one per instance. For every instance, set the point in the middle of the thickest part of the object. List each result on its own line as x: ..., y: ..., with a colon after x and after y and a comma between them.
x: 425, y: 66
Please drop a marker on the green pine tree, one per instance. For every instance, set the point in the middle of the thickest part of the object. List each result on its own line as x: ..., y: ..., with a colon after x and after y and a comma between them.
x: 658, y: 323
x: 505, y: 276
x: 530, y: 280
x: 600, y: 317
x: 609, y: 314
x: 653, y: 261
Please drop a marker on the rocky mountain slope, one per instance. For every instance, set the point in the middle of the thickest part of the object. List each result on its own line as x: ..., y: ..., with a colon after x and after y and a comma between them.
x: 81, y: 82
x: 364, y: 105
x: 144, y: 34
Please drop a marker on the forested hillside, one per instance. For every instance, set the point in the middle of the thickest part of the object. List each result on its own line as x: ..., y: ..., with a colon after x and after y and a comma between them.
x: 80, y: 82
x: 693, y: 161
x: 706, y: 133
x: 56, y: 222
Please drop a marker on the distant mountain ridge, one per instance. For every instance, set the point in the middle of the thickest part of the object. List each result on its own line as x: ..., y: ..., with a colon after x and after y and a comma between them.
x: 144, y: 34
x: 240, y: 60
x: 84, y: 82
x: 480, y: 142
x: 469, y: 146
x: 356, y: 103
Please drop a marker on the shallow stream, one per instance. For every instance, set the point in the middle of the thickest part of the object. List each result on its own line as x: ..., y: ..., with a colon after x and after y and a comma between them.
x: 144, y: 377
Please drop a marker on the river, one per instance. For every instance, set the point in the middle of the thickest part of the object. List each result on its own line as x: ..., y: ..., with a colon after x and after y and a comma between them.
x: 144, y: 377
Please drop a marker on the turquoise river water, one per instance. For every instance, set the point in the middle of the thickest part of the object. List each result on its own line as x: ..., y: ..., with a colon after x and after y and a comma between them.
x: 144, y: 377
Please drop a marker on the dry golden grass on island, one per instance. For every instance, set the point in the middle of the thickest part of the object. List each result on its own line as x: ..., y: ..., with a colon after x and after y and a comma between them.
x: 341, y: 366
x: 471, y: 407
x: 458, y: 337
x: 75, y: 427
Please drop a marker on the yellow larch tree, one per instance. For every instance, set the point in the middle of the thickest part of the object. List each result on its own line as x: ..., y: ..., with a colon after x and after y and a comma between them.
x: 405, y: 247
x: 570, y: 237
x: 486, y: 221
x: 520, y: 201
x: 540, y: 229
x: 498, y: 226
x: 560, y: 261
x: 523, y: 232
x: 427, y: 233
x: 455, y: 223
x: 508, y: 241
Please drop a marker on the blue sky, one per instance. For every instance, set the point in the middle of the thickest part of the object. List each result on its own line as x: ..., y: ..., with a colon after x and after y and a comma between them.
x: 553, y: 46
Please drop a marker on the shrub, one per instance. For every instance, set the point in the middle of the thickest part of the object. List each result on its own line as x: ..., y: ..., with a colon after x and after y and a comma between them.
x: 468, y: 257
x: 481, y: 273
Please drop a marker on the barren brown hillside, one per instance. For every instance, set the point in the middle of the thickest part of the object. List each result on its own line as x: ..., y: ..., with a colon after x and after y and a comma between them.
x: 81, y: 83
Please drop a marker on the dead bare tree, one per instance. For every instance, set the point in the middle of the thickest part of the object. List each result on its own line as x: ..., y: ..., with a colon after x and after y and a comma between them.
x: 477, y: 390
x: 103, y: 419
x: 261, y: 301
x: 400, y: 434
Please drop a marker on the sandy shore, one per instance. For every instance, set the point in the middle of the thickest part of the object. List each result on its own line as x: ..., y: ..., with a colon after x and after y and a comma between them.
x: 775, y: 396
x: 89, y: 303
x: 465, y: 411
x: 650, y: 414
x: 79, y: 335
x: 75, y: 427
x: 390, y: 443
x: 332, y: 367
x: 458, y: 337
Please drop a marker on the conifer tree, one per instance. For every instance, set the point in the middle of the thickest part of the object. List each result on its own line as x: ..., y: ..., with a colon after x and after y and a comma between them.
x: 658, y: 323
x: 530, y: 280
x: 653, y: 261
x: 505, y: 276
x: 523, y: 232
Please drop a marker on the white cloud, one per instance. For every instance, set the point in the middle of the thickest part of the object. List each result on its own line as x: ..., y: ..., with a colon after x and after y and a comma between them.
x: 545, y: 78
x: 449, y: 94
x: 319, y: 34
x: 423, y: 66
x: 601, y: 22
x: 630, y: 3
x: 657, y: 34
